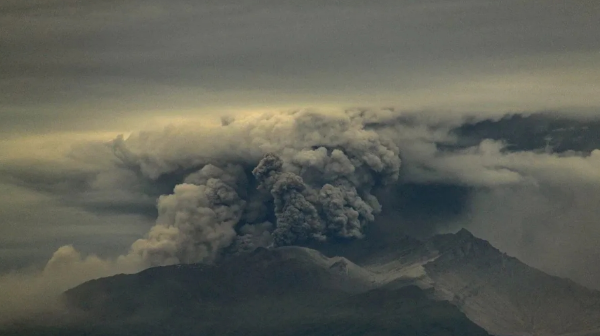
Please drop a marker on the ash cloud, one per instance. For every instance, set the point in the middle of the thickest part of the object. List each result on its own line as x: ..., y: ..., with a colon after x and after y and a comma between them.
x: 194, y: 224
x: 275, y: 179
x: 297, y: 218
x: 316, y: 170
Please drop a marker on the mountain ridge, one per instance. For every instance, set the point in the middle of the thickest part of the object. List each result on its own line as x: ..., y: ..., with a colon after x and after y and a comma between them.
x: 449, y: 284
x: 288, y: 290
x: 495, y: 290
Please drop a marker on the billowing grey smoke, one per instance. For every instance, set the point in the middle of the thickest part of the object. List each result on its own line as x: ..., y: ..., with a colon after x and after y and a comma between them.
x: 345, y: 211
x: 336, y: 210
x: 297, y: 218
x: 252, y: 236
x: 269, y: 180
x: 312, y: 179
x: 196, y: 221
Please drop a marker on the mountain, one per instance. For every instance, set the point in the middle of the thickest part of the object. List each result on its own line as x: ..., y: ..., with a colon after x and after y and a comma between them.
x: 496, y: 291
x: 506, y: 296
x: 452, y: 284
x: 283, y: 291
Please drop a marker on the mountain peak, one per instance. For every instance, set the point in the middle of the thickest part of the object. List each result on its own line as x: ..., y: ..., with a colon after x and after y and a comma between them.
x: 503, y: 294
x: 462, y: 244
x: 465, y: 234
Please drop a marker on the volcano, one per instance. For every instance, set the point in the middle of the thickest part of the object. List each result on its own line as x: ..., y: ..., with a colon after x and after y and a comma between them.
x: 451, y: 284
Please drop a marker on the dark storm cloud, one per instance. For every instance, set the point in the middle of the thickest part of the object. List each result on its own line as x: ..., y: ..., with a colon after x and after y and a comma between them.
x: 69, y: 57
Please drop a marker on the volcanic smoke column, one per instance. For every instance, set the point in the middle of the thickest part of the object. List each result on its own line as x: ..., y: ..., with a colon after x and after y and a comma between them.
x: 315, y: 174
x: 297, y: 218
x: 195, y: 222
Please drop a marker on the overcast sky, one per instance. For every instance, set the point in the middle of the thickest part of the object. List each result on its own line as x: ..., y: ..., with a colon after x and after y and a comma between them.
x: 76, y: 72
x: 103, y: 65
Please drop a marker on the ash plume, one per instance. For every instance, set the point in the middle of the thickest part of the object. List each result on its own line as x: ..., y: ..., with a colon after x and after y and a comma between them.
x: 272, y: 180
x: 297, y: 218
x: 346, y: 213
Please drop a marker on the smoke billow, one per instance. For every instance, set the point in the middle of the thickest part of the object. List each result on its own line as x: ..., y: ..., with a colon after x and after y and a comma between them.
x: 305, y: 213
x: 297, y: 218
x: 317, y: 171
x: 273, y: 180
x: 195, y: 222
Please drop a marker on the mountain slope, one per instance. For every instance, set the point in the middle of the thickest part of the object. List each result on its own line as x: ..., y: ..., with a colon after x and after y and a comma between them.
x: 453, y: 284
x: 285, y: 291
x: 506, y: 296
x: 496, y: 291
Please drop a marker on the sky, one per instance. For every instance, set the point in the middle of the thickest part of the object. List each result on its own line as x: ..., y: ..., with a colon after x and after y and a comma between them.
x: 76, y: 74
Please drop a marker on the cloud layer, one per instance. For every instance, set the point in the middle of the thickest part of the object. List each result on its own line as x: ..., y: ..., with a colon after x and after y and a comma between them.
x: 111, y: 65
